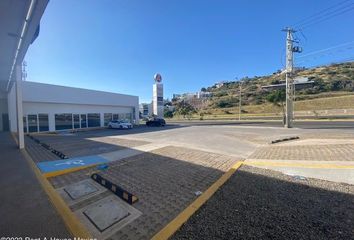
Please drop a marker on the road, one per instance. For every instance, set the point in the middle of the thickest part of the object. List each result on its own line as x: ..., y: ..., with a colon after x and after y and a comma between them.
x: 300, y: 124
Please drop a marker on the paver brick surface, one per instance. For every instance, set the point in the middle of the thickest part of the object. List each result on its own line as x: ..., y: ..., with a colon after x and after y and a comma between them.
x: 165, y: 181
x: 331, y: 152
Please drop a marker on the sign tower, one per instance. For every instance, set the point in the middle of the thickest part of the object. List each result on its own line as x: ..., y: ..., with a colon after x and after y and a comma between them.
x: 157, y: 96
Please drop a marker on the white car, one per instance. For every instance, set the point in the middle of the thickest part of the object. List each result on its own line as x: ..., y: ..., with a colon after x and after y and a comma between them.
x: 120, y: 124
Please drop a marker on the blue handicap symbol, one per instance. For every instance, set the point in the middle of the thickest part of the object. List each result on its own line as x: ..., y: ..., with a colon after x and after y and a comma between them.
x: 58, y: 165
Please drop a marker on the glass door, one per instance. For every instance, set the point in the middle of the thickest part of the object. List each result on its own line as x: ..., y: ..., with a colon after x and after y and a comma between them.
x: 83, y: 121
x: 76, y: 120
x: 32, y: 123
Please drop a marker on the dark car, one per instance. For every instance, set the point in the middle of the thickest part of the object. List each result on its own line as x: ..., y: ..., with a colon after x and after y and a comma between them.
x: 156, y: 122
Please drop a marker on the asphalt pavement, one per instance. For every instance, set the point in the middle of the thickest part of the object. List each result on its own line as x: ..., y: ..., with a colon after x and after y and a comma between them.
x: 320, y: 124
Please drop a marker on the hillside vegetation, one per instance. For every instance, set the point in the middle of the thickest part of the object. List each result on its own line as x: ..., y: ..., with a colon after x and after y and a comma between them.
x: 333, y: 88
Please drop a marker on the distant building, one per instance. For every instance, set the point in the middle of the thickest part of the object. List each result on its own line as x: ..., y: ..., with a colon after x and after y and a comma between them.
x: 197, y: 100
x: 219, y: 84
x: 300, y: 83
x: 204, y: 94
x: 197, y: 95
x: 145, y: 110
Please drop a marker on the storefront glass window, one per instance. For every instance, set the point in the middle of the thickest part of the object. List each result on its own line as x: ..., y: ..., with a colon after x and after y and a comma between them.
x: 63, y: 121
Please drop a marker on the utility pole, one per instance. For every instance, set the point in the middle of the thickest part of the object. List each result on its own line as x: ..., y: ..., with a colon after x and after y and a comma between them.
x: 239, y: 101
x: 289, y: 76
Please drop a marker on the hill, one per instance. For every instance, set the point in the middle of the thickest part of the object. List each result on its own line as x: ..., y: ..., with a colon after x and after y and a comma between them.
x: 336, y: 80
x: 332, y: 88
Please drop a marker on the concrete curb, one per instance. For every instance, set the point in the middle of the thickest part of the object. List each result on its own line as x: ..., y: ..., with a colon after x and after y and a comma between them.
x: 75, y: 227
x: 284, y: 139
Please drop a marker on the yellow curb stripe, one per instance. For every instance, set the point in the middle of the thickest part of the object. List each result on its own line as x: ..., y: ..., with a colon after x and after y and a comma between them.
x: 75, y: 227
x: 14, y: 137
x: 176, y: 223
x: 300, y: 165
x: 65, y: 171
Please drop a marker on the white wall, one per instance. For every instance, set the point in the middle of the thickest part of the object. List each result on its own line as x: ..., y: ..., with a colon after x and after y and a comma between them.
x: 56, y: 108
x: 52, y: 99
x: 40, y: 92
x: 11, y: 102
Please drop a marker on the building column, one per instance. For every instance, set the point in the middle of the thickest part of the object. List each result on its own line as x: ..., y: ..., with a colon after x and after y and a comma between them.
x: 102, y: 119
x: 19, y: 110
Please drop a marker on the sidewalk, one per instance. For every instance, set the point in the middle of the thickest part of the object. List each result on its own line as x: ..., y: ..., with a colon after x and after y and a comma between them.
x: 25, y: 209
x: 326, y: 159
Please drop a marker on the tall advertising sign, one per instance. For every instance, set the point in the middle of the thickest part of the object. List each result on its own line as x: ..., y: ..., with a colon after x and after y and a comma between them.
x: 157, y: 96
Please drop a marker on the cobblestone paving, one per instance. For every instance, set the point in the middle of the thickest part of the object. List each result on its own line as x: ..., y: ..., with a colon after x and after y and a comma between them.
x: 165, y: 181
x: 77, y: 145
x: 331, y: 152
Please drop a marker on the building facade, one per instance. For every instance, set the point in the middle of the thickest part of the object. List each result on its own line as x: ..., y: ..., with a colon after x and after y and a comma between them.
x: 53, y: 108
x: 145, y: 110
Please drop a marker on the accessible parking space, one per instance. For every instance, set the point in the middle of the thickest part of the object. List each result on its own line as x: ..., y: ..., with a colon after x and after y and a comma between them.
x: 165, y: 181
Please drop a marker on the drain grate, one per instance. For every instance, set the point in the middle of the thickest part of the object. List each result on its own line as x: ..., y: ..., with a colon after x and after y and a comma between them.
x: 80, y: 189
x: 106, y: 214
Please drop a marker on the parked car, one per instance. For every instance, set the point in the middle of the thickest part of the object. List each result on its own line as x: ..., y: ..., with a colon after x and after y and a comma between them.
x: 120, y: 124
x: 157, y: 122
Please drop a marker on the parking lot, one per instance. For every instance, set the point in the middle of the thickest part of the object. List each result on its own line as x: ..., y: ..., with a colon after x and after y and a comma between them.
x: 168, y: 168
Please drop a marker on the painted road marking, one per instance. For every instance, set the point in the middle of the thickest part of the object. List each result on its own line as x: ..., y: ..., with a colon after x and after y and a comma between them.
x: 67, y: 164
x: 72, y: 162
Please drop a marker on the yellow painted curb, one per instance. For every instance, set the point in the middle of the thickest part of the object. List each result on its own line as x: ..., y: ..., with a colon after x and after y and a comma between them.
x: 176, y: 223
x: 65, y: 171
x: 14, y: 137
x: 300, y: 165
x: 75, y: 227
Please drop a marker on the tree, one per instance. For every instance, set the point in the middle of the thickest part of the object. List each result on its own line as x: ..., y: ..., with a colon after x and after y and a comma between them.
x: 278, y: 98
x: 203, y: 89
x: 168, y: 113
x: 185, y: 109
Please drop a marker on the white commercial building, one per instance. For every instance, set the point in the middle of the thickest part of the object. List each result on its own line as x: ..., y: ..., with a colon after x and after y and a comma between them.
x: 51, y: 108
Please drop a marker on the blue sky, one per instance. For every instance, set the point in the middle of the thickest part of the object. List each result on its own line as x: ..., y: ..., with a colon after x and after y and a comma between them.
x: 118, y: 45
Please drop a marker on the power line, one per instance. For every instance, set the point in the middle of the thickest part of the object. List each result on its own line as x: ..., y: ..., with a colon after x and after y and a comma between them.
x: 319, y: 13
x: 324, y: 13
x: 329, y: 17
x: 327, y: 49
